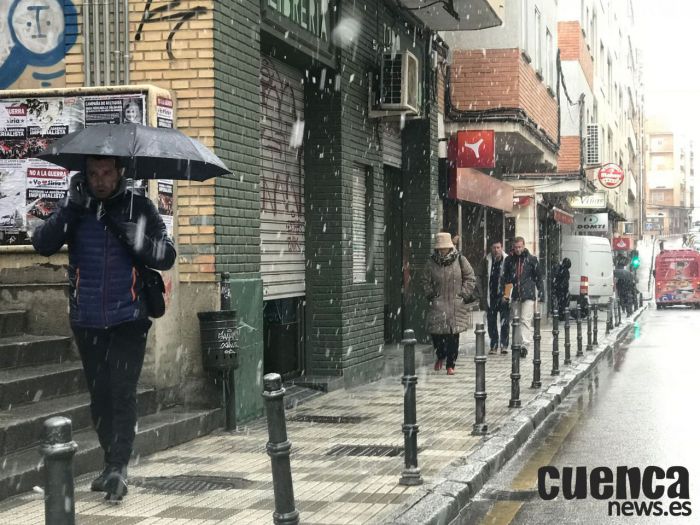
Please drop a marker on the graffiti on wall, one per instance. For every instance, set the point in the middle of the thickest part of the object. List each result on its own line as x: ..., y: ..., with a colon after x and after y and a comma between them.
x: 167, y: 12
x: 34, y: 42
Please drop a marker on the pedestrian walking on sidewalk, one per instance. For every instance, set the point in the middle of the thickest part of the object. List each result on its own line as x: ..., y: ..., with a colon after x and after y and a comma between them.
x: 522, y: 286
x: 448, y: 284
x: 488, y: 284
x: 112, y: 234
x: 625, y: 286
x: 560, y: 286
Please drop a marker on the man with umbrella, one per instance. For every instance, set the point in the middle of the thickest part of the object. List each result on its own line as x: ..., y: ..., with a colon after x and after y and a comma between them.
x: 111, y: 235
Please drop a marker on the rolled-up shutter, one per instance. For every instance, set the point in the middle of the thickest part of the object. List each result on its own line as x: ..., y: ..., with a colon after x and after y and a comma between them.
x: 391, y: 143
x: 282, y: 222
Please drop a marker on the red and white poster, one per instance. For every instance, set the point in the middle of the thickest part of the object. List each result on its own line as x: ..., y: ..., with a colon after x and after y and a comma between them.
x: 611, y: 176
x: 472, y: 149
x: 164, y: 112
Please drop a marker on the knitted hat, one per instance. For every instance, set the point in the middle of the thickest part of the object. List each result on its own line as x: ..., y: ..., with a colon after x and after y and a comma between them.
x: 443, y: 240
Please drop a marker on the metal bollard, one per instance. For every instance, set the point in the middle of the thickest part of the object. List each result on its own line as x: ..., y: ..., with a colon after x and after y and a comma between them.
x: 589, y: 332
x: 609, y: 318
x: 579, y: 334
x: 595, y: 325
x: 635, y: 303
x: 58, y: 448
x: 515, y: 366
x: 641, y: 299
x: 411, y: 473
x: 619, y: 313
x: 555, y: 343
x: 567, y: 336
x: 480, y: 427
x: 278, y: 448
x: 536, y: 361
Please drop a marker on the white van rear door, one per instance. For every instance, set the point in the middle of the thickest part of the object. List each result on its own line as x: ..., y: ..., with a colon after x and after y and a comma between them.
x: 600, y: 278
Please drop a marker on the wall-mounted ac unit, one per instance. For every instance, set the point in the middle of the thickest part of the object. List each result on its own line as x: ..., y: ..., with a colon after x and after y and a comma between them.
x: 399, y: 82
x: 593, y: 150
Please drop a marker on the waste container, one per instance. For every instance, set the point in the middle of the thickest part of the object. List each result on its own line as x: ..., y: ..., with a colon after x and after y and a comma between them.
x: 219, y: 336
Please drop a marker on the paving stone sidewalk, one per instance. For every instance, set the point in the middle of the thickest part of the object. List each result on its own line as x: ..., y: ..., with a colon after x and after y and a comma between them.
x: 226, y: 477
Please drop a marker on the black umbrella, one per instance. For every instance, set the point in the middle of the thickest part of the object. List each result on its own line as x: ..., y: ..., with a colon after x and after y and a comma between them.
x: 149, y: 153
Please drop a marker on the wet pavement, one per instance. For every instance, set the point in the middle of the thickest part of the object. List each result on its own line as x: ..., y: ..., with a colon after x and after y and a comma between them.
x: 226, y: 478
x: 638, y: 409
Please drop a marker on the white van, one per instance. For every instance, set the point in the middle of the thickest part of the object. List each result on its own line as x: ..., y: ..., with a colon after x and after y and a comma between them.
x: 592, y: 268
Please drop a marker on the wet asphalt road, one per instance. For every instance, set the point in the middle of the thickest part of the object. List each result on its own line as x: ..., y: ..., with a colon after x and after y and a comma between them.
x: 639, y: 409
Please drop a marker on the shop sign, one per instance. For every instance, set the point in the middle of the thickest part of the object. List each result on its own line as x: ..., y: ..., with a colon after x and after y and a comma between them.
x: 313, y: 17
x: 585, y: 223
x: 472, y: 149
x: 611, y: 176
x: 595, y: 201
x: 622, y: 244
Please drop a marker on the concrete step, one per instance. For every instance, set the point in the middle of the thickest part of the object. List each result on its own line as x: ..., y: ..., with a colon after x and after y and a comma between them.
x: 26, y: 350
x: 32, y: 384
x: 23, y: 470
x: 21, y: 426
x: 295, y: 395
x: 12, y: 322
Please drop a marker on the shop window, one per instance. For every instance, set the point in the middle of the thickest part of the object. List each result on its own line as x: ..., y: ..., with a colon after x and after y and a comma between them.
x: 361, y: 224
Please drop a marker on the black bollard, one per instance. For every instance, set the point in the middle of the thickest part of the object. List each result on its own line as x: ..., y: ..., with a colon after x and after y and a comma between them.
x: 555, y: 343
x: 567, y: 337
x: 618, y: 310
x: 589, y: 332
x: 411, y: 472
x: 480, y: 427
x: 579, y: 334
x: 515, y: 366
x: 609, y: 317
x: 278, y: 448
x: 536, y: 361
x: 58, y: 448
x: 595, y: 325
x: 225, y: 291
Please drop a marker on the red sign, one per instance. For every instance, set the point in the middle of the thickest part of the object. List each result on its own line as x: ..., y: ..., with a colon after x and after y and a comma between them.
x: 622, y: 244
x: 468, y: 184
x: 472, y: 149
x: 562, y: 217
x: 611, y: 176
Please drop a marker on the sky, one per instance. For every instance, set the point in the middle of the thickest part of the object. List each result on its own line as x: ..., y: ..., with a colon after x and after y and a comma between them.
x: 668, y: 41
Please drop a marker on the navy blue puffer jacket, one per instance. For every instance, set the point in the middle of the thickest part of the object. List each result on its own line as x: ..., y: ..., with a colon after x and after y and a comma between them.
x: 105, y: 285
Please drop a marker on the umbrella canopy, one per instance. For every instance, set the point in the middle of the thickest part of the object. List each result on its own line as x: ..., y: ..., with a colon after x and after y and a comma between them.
x: 149, y: 153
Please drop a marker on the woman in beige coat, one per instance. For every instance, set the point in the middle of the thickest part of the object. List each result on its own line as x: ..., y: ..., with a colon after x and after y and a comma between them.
x: 448, y: 283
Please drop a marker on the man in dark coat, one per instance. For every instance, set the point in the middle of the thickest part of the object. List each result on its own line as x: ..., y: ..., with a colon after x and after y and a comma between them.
x: 625, y: 286
x: 488, y: 283
x: 522, y: 286
x: 110, y: 233
x: 561, y: 286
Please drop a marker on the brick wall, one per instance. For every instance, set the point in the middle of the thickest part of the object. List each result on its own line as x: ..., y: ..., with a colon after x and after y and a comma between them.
x: 573, y: 47
x: 569, y: 154
x: 189, y: 75
x: 501, y: 78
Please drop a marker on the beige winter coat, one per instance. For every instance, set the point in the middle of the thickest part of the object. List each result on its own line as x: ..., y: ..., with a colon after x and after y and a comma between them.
x: 446, y: 287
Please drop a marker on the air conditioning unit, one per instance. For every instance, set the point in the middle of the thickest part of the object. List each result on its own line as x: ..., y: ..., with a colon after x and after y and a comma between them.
x: 399, y: 82
x: 592, y: 154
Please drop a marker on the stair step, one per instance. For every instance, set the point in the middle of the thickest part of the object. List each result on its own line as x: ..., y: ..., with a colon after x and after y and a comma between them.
x: 32, y: 384
x: 21, y: 426
x: 28, y: 350
x: 295, y: 395
x: 23, y: 470
x: 11, y: 322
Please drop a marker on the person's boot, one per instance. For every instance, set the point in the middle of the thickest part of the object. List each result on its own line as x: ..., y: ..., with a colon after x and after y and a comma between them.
x: 98, y: 484
x: 115, y: 485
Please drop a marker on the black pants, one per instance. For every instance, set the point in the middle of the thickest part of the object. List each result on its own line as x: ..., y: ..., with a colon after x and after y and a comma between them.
x: 446, y: 346
x: 112, y: 360
x: 497, y: 308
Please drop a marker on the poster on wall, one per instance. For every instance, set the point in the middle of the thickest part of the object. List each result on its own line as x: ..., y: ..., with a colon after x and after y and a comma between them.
x: 12, y: 188
x: 115, y: 109
x: 47, y: 185
x: 165, y: 203
x: 164, y: 112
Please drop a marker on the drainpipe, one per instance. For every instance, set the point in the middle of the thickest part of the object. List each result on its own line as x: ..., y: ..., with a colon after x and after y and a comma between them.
x: 96, y: 41
x: 107, y: 43
x: 87, y: 70
x: 126, y: 42
x: 117, y: 29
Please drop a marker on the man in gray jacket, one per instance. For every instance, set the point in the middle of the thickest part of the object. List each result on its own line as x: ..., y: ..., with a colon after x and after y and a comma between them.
x: 488, y: 280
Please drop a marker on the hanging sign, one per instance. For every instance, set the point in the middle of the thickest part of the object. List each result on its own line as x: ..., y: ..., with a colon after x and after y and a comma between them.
x: 585, y: 223
x: 611, y: 176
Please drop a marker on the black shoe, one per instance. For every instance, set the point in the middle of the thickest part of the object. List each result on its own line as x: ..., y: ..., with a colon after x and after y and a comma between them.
x: 115, y: 485
x: 98, y: 484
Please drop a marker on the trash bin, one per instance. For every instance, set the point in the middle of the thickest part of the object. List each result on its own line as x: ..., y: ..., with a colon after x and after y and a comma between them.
x: 219, y: 336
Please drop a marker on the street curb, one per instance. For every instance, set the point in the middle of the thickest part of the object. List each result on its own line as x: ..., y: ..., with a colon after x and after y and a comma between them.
x: 440, y: 502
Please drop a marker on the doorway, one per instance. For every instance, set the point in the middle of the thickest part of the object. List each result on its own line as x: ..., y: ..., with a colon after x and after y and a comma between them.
x: 393, y: 255
x: 283, y: 329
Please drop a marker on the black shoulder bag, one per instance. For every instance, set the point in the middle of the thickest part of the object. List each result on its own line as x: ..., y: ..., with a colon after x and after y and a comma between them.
x: 153, y: 285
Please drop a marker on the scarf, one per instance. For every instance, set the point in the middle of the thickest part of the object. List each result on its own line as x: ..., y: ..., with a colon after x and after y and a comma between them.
x: 444, y: 260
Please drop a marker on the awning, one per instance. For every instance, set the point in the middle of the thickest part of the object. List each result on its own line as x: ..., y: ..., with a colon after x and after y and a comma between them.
x: 561, y: 216
x: 455, y: 15
x: 468, y: 184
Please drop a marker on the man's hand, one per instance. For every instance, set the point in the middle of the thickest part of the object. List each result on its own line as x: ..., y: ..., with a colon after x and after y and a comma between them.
x: 134, y: 233
x: 77, y: 192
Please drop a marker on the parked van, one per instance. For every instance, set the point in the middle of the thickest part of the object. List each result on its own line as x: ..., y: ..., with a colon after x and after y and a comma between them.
x: 592, y: 269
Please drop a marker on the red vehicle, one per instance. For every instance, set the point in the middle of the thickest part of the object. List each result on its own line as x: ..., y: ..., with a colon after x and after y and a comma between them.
x: 677, y: 274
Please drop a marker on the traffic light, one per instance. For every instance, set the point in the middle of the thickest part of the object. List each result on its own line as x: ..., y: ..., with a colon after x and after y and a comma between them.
x: 634, y: 259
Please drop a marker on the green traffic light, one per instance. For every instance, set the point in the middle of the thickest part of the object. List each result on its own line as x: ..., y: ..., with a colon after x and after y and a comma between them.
x: 635, y: 262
